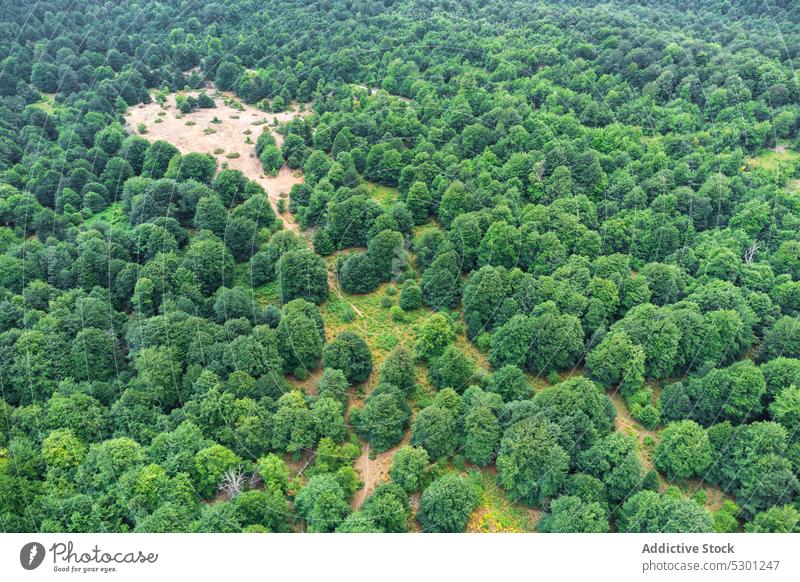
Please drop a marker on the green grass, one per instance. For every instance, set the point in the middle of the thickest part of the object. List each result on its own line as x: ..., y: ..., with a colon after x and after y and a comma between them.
x: 496, y: 513
x: 114, y: 215
x: 385, y: 195
x: 375, y: 324
x: 772, y: 161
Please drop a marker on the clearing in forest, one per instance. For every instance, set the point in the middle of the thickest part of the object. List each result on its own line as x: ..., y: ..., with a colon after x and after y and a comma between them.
x: 228, y: 132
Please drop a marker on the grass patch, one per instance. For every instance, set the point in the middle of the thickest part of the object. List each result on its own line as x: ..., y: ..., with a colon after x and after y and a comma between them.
x: 375, y: 324
x: 775, y: 160
x: 114, y: 215
x: 384, y: 195
x: 495, y: 513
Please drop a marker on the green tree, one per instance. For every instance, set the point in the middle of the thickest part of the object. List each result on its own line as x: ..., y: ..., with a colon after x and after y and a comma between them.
x: 446, y: 504
x: 349, y: 353
x: 322, y: 503
x: 210, y: 465
x: 531, y: 464
x: 569, y: 514
x: 408, y: 467
x: 436, y: 430
x: 301, y: 274
x: 441, y: 286
x: 433, y: 337
x: 453, y: 369
x: 617, y: 361
x: 683, y: 451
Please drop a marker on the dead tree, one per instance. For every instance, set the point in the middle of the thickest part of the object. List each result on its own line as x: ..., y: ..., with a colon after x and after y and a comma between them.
x: 232, y: 483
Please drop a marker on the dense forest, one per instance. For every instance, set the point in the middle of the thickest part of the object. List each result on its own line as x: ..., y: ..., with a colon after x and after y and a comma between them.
x: 539, y: 271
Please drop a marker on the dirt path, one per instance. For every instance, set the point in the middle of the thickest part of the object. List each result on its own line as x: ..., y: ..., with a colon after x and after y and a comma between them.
x: 626, y: 424
x: 222, y: 131
x: 374, y: 471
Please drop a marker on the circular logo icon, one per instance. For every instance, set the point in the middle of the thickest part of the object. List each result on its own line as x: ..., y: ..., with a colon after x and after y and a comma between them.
x: 31, y: 555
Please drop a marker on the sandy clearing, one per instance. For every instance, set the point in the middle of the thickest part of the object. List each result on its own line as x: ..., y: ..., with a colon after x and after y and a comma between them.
x: 223, y: 139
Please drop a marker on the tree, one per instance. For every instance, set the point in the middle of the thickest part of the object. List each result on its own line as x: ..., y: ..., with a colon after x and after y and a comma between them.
x: 158, y: 368
x: 441, y: 287
x: 210, y: 465
x: 387, y: 253
x: 583, y: 413
x: 408, y: 467
x: 410, y: 295
x: 63, y: 452
x: 782, y: 339
x: 531, y: 464
x: 242, y: 237
x: 322, y: 503
x: 328, y: 415
x: 349, y: 353
x: 294, y: 426
x: 192, y: 166
x: 265, y: 508
x: 227, y: 76
x: 157, y: 157
x: 650, y: 327
x: 510, y: 383
x: 784, y: 519
x: 419, y: 201
x: 274, y: 473
x: 785, y: 409
x: 358, y: 274
x: 300, y: 335
x: 436, y: 430
x: 446, y: 504
x: 683, y: 451
x: 398, y: 369
x: 649, y: 512
x: 734, y: 393
x: 333, y: 383
x: 301, y: 274
x: 271, y: 159
x: 387, y: 508
x: 617, y: 361
x: 569, y: 514
x: 558, y: 343
x: 95, y: 355
x: 453, y: 369
x: 211, y: 261
x: 615, y: 461
x: 433, y: 337
x: 500, y: 246
x: 481, y: 435
x: 511, y: 342
x: 383, y: 419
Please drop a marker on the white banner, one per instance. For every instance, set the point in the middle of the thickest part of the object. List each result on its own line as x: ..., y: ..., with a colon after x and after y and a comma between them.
x: 457, y: 557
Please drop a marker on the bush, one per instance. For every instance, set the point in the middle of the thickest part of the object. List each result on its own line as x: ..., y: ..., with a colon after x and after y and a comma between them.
x: 410, y: 295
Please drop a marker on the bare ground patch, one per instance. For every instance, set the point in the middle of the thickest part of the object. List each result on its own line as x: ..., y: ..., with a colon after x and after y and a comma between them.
x: 222, y: 132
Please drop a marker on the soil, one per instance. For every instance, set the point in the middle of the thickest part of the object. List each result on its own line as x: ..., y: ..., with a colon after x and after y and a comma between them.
x: 375, y: 471
x: 229, y: 137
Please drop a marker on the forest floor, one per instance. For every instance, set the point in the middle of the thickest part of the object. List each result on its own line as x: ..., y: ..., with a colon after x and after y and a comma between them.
x: 374, y: 469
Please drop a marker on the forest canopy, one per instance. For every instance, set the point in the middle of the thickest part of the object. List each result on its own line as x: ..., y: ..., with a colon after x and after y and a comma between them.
x: 534, y: 256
